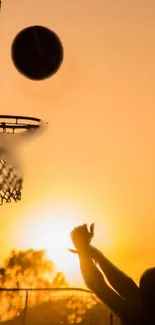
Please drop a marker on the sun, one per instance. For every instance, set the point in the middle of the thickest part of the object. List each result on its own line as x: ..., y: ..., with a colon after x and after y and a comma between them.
x: 57, y: 249
x: 50, y: 229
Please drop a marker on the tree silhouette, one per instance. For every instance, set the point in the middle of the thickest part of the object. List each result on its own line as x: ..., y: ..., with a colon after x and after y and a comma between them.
x: 26, y: 269
x: 59, y: 281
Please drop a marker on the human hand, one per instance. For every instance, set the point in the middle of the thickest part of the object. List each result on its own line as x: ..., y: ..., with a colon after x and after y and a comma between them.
x: 81, y: 237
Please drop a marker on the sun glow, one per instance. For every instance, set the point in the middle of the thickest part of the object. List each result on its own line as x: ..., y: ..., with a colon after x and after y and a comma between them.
x: 50, y: 230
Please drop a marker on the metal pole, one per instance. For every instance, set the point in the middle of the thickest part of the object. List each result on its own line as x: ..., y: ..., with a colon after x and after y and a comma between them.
x: 25, y: 309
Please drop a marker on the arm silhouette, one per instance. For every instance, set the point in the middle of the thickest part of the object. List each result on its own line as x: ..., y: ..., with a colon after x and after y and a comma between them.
x: 95, y: 281
x: 123, y: 304
x: 121, y: 282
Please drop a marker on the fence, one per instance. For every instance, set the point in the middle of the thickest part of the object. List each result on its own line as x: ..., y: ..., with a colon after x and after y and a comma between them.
x: 56, y: 306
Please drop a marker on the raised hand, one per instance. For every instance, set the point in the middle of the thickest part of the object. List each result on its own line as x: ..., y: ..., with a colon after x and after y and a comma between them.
x: 81, y: 237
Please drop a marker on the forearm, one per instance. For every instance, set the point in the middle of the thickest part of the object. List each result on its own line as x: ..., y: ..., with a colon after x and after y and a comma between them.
x: 91, y: 274
x: 95, y: 282
x: 125, y: 310
x: 123, y: 284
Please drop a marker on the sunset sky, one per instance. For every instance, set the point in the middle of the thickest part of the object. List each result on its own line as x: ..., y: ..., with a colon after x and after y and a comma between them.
x: 96, y: 161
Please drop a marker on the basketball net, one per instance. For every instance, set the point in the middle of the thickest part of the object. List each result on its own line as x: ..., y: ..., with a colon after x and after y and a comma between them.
x: 10, y: 184
x: 11, y: 171
x: 11, y: 178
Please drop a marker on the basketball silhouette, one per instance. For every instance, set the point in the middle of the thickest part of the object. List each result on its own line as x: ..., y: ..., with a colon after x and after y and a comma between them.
x: 37, y: 52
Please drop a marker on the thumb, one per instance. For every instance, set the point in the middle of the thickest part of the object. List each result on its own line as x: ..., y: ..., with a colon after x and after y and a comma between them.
x: 72, y: 251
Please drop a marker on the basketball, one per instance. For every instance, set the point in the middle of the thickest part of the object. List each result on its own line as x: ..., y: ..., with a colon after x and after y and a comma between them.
x: 37, y: 52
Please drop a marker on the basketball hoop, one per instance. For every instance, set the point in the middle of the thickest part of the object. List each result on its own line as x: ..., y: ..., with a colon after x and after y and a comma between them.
x: 13, y: 129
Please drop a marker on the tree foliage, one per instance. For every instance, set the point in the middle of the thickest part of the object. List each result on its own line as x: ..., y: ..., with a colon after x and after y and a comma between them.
x: 30, y: 269
x: 26, y: 269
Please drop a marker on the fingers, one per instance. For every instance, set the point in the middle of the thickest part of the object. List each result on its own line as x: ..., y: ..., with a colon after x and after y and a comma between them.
x: 72, y: 250
x: 92, y: 226
x: 79, y: 231
x: 81, y: 236
x: 91, y: 232
x: 84, y: 228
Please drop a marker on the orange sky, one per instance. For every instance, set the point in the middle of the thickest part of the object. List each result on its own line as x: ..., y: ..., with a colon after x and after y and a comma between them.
x: 98, y: 153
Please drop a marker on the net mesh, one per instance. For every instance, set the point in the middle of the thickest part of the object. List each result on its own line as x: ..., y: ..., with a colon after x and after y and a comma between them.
x: 10, y: 183
x: 11, y: 166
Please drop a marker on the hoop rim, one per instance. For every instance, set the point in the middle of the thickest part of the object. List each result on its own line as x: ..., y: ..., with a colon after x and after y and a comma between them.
x: 25, y: 124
